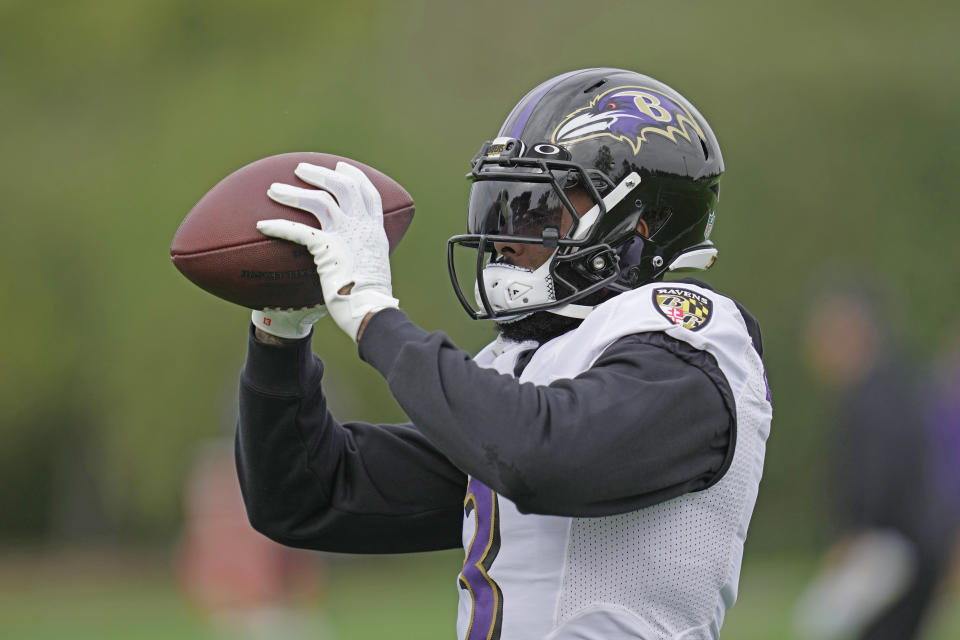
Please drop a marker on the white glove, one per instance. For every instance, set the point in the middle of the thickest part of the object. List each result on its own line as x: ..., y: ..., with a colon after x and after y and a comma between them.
x: 288, y: 323
x: 352, y: 251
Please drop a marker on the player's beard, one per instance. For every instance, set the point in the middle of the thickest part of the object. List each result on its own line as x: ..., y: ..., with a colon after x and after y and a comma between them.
x: 541, y: 326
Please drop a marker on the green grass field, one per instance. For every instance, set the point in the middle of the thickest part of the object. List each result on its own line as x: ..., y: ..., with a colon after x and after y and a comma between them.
x: 107, y: 597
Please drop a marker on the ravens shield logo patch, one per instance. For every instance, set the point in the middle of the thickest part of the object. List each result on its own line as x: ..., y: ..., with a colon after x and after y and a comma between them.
x: 683, y: 307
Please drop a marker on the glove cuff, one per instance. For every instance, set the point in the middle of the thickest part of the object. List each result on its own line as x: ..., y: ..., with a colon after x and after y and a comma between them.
x: 293, y: 325
x: 349, y: 310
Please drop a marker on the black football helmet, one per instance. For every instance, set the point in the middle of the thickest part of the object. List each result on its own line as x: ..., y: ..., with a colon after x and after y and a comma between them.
x: 636, y: 147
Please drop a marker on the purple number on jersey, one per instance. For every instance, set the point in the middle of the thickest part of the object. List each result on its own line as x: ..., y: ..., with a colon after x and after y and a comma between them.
x: 487, y: 615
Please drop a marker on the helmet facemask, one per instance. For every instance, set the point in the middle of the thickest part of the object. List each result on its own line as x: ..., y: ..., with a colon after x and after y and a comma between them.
x: 525, y: 199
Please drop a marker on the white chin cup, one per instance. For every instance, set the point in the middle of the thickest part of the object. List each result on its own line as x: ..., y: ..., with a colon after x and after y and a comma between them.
x: 509, y: 287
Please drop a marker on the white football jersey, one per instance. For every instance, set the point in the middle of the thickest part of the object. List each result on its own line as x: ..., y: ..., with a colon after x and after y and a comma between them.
x: 666, y: 571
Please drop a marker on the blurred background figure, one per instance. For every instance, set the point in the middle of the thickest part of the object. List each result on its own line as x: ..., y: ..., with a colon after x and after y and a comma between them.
x: 945, y: 429
x: 945, y: 435
x: 890, y: 518
x: 245, y: 585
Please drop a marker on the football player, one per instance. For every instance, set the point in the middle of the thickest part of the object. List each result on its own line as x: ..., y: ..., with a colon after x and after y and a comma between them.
x: 599, y: 461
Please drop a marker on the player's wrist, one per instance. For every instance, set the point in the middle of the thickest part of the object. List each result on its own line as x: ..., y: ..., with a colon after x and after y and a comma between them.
x: 366, y: 321
x: 351, y: 311
x: 268, y: 338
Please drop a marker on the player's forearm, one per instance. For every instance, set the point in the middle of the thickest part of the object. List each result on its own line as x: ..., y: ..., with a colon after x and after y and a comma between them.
x: 277, y: 484
x: 309, y: 481
x: 620, y: 437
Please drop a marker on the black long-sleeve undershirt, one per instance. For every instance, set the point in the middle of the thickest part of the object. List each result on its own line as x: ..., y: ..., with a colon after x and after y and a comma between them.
x: 651, y: 420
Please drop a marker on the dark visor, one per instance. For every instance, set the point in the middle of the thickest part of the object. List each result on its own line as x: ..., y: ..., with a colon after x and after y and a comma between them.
x: 513, y: 208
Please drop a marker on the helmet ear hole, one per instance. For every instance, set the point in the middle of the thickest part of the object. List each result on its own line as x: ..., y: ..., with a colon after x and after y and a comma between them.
x: 656, y: 218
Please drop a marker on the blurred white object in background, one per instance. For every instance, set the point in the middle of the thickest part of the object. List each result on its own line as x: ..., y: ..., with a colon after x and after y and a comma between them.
x: 864, y: 574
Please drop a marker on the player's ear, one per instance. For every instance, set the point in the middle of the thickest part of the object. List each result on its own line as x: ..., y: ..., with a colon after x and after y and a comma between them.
x: 642, y: 228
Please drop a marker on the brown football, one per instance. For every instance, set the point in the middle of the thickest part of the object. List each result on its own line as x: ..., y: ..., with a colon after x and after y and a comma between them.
x: 219, y: 249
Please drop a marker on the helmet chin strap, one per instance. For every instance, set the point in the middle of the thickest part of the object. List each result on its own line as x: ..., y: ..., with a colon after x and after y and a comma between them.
x: 511, y: 287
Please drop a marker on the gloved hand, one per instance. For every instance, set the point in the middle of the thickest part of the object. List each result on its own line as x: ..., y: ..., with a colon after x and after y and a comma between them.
x: 351, y: 251
x: 288, y: 323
